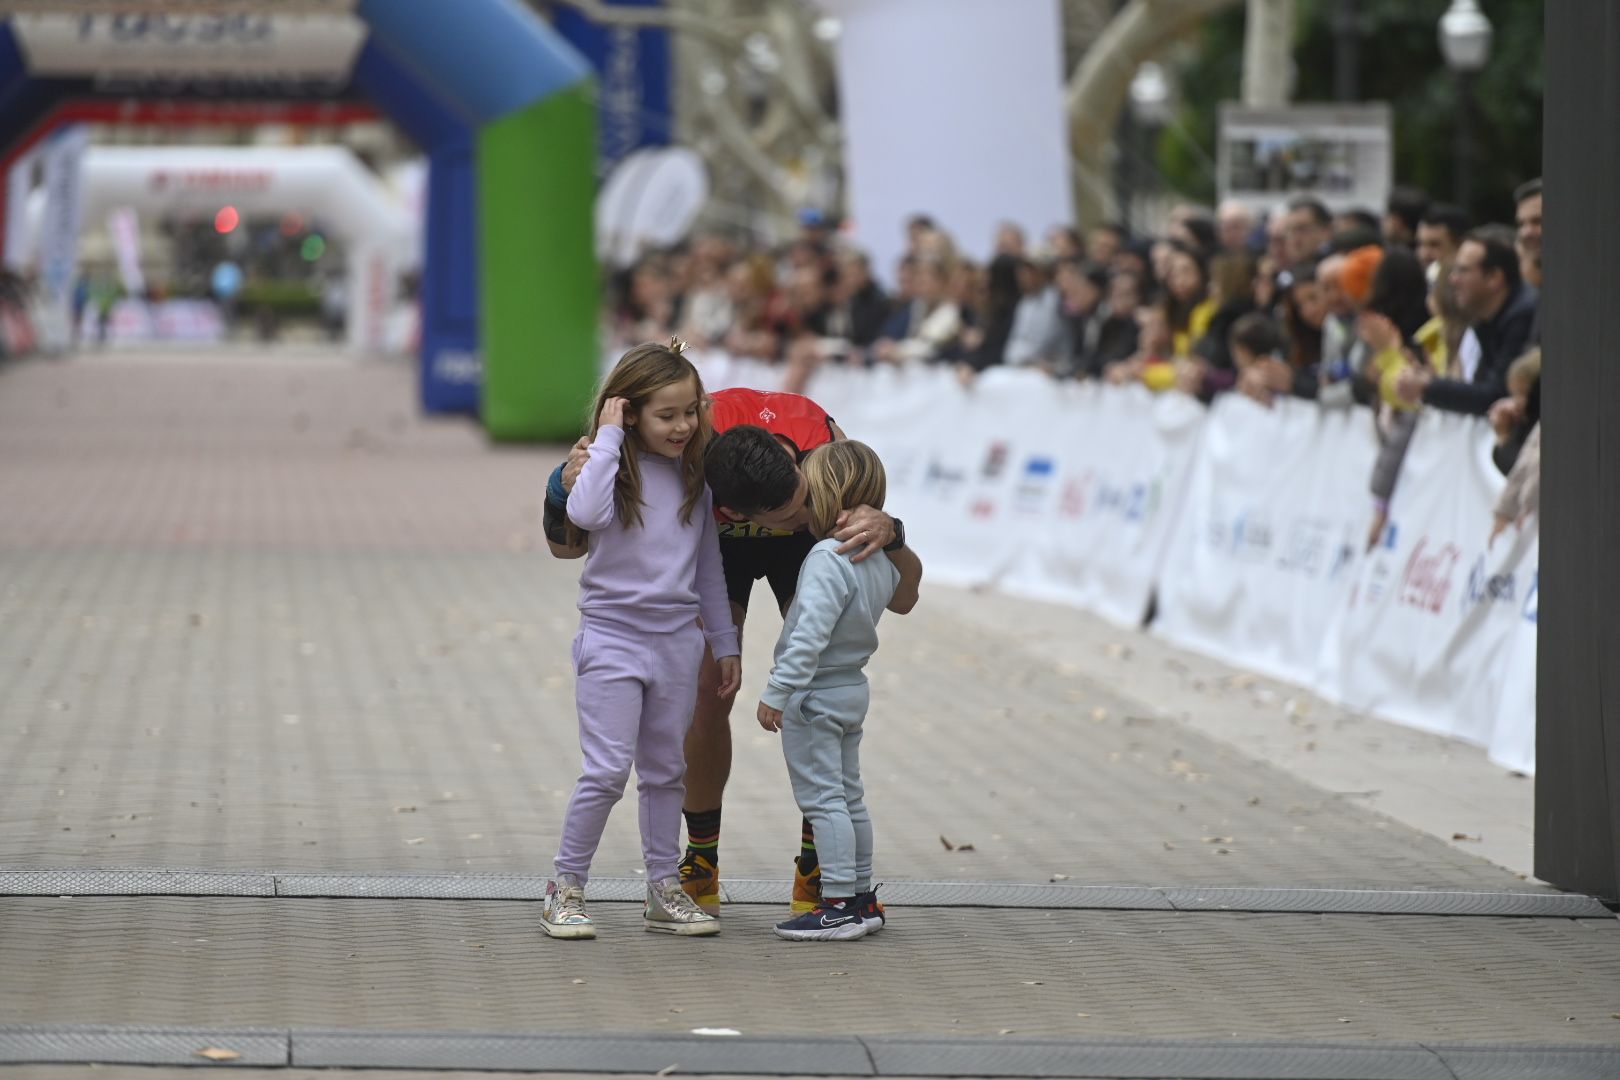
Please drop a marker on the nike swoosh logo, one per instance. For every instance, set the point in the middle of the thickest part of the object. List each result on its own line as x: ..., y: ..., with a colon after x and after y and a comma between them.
x: 841, y: 920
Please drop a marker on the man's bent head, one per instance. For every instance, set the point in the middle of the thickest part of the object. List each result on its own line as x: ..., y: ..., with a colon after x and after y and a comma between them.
x: 754, y: 477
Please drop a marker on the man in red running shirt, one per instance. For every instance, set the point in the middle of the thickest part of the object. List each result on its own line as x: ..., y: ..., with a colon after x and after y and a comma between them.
x: 760, y: 510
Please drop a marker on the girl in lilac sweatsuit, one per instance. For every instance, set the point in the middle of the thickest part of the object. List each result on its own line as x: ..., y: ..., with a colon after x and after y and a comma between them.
x: 652, y: 570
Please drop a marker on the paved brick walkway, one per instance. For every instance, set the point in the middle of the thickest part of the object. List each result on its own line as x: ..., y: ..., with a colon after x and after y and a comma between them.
x: 256, y: 614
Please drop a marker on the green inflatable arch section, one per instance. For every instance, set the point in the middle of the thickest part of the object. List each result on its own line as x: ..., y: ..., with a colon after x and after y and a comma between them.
x: 527, y: 99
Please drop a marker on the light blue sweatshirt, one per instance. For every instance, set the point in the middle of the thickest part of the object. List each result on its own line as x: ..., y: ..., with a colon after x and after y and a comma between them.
x: 830, y: 630
x: 658, y: 576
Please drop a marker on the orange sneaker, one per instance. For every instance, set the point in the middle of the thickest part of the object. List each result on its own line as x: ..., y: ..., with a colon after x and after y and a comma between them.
x: 700, y: 879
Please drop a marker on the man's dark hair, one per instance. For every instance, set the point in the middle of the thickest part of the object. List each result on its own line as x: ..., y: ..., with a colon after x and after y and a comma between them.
x: 1409, y: 204
x: 1362, y: 219
x: 1202, y: 229
x: 1453, y: 219
x: 1318, y: 209
x: 1352, y: 239
x: 1257, y: 333
x: 1527, y: 190
x: 1500, y: 253
x: 1117, y: 229
x: 1096, y: 273
x: 748, y: 471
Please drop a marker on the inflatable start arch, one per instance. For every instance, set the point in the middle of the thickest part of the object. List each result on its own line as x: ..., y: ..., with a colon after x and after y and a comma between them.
x: 501, y: 104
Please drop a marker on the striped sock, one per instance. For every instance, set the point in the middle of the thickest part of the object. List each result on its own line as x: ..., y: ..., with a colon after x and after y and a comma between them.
x: 703, y: 834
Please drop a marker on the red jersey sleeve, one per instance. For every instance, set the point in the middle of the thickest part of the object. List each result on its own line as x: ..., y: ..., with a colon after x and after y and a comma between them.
x: 793, y: 416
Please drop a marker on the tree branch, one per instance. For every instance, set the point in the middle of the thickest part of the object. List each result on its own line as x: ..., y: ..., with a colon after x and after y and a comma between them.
x: 1101, y: 81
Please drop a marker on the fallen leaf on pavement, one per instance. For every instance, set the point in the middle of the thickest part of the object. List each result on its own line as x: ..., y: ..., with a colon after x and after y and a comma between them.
x: 217, y: 1053
x: 1217, y: 839
x: 1060, y: 877
x: 1168, y: 846
x: 946, y: 844
x: 964, y: 847
x: 1463, y: 836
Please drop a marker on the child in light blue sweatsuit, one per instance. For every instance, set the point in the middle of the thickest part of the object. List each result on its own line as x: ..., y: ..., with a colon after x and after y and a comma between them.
x: 817, y: 694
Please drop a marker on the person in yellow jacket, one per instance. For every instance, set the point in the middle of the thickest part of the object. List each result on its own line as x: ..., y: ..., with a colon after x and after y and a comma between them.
x: 1188, y: 302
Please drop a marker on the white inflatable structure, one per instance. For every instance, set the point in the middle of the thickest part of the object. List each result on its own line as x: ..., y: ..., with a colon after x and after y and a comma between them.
x: 325, y: 183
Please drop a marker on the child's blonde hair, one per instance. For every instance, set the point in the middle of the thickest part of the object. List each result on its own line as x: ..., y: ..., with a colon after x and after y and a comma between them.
x: 841, y: 476
x: 639, y: 374
x: 1526, y: 370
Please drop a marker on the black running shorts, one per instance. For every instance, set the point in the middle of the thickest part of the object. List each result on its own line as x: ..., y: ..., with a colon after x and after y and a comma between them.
x: 775, y: 558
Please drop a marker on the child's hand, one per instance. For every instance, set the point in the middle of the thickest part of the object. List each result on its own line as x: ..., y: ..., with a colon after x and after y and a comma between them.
x: 730, y: 675
x: 770, y: 719
x: 613, y: 412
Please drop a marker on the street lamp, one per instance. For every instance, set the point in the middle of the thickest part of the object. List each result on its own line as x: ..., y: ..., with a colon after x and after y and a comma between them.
x: 1465, y: 41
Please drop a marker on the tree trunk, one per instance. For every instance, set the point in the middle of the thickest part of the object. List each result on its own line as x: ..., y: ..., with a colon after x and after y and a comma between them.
x: 1101, y: 82
x: 1268, y: 47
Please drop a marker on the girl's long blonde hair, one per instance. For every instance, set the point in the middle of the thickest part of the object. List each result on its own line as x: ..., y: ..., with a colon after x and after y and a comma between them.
x: 841, y: 476
x: 640, y: 373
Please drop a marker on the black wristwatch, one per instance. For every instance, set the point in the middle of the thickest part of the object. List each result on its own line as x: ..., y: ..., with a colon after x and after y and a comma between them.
x: 899, y: 540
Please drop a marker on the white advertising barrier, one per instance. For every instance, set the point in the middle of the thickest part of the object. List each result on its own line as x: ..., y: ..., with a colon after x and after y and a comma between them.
x: 1016, y: 480
x: 1099, y: 486
x: 1265, y: 552
x: 1438, y: 629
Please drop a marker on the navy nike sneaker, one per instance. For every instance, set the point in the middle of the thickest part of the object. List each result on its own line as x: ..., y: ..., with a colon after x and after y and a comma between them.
x: 832, y: 920
x: 871, y: 909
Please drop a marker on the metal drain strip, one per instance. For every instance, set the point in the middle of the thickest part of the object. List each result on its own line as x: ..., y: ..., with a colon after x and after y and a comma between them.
x: 885, y: 1055
x: 179, y: 882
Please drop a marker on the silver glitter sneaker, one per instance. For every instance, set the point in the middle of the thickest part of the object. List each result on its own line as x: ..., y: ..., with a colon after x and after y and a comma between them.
x: 670, y: 911
x: 563, y: 914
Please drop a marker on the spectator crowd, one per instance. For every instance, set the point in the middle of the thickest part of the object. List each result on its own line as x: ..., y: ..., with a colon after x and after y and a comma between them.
x: 1417, y: 307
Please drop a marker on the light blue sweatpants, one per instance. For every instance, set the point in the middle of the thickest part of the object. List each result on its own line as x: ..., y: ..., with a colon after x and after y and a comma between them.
x: 821, y: 739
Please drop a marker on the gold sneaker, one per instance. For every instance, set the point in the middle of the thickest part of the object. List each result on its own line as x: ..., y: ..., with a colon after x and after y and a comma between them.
x: 670, y: 911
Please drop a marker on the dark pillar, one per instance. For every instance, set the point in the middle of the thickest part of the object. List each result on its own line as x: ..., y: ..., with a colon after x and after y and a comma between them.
x: 1578, y: 669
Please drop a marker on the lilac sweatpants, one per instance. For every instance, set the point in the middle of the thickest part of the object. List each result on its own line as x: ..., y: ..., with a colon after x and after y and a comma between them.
x: 635, y: 691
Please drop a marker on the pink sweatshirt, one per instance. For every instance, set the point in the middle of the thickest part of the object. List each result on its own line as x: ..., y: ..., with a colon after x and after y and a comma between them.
x: 662, y: 574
